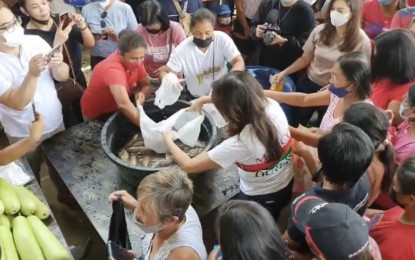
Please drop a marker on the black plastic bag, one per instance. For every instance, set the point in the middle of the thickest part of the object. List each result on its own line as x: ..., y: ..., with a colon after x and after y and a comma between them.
x: 118, y: 233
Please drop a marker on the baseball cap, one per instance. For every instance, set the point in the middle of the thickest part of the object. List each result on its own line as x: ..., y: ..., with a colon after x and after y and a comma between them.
x: 224, y: 9
x: 333, y: 230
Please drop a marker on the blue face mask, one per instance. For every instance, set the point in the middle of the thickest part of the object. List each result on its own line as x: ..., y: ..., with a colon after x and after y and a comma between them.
x: 339, y: 92
x: 385, y: 2
x: 401, y: 112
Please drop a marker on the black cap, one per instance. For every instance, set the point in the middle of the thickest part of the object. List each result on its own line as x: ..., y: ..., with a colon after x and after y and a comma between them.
x: 333, y: 230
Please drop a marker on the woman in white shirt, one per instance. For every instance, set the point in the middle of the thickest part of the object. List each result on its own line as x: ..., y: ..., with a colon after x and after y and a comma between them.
x: 203, y: 57
x: 259, y: 142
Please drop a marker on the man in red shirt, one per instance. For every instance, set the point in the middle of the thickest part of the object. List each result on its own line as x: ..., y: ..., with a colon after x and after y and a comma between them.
x: 395, y: 229
x: 116, y: 78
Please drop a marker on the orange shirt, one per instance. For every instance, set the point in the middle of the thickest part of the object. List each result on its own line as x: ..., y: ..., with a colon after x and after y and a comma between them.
x: 383, y: 92
x: 97, y: 99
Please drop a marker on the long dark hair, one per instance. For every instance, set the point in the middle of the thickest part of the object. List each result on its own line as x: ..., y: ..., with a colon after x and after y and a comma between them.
x: 151, y: 12
x: 241, y: 101
x: 353, y: 34
x: 246, y: 231
x: 375, y: 124
x: 356, y: 68
x: 394, y: 57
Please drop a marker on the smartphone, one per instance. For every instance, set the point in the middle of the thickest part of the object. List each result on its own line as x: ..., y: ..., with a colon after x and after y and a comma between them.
x: 65, y: 19
x: 115, y: 252
x: 34, y: 113
x: 49, y: 56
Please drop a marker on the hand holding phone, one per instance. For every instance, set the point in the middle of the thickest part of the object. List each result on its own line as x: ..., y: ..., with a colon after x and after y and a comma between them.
x: 49, y: 56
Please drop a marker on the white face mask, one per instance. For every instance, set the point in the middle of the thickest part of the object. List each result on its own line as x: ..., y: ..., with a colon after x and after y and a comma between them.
x: 225, y: 20
x: 15, y: 37
x: 142, y: 229
x: 339, y: 19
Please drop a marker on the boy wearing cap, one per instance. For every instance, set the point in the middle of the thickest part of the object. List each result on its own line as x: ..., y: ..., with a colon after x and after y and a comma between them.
x: 224, y: 19
x: 395, y: 229
x: 345, y: 154
x: 333, y: 230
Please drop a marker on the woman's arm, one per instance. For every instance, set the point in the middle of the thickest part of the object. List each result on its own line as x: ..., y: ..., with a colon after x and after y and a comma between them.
x: 321, y: 98
x: 124, y: 104
x: 200, y: 163
x: 88, y: 40
x: 307, y: 137
x: 301, y: 63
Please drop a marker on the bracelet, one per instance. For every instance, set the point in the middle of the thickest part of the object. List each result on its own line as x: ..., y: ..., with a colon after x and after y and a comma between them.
x: 83, y: 29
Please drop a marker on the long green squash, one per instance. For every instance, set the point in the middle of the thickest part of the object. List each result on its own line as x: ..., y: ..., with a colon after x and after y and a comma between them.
x: 51, y: 247
x: 1, y: 207
x: 27, y: 205
x: 42, y: 211
x: 9, y: 198
x: 7, y: 245
x: 25, y: 240
x: 5, y: 221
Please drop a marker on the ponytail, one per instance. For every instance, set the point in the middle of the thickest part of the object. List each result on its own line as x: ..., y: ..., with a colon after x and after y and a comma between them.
x: 387, y: 157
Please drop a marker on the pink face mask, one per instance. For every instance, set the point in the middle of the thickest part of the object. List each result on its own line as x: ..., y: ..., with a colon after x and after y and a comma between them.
x: 132, y: 65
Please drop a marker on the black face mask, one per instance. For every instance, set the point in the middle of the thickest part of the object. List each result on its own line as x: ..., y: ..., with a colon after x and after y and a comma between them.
x: 394, y: 197
x: 153, y: 31
x: 203, y: 43
x: 39, y: 21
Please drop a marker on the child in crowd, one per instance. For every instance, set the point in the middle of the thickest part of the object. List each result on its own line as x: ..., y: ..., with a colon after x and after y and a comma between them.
x: 224, y: 19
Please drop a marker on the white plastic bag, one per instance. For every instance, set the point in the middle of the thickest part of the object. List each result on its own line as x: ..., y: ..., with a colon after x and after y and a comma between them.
x: 14, y: 174
x: 169, y: 91
x: 186, y: 123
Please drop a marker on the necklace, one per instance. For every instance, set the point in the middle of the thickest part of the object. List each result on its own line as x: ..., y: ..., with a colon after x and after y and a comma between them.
x: 285, y: 15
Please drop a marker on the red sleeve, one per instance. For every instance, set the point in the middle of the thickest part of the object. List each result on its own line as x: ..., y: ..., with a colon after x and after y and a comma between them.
x: 396, y: 21
x: 115, y: 76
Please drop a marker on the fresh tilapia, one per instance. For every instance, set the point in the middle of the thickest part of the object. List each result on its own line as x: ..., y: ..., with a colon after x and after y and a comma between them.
x: 135, y: 153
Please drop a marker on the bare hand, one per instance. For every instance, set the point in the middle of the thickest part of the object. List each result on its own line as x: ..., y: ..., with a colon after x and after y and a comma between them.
x: 278, y: 78
x: 61, y: 36
x: 111, y: 33
x: 37, y: 65
x: 79, y: 21
x: 140, y: 98
x: 278, y: 39
x: 129, y: 201
x: 196, y: 105
x: 169, y: 136
x: 36, y: 128
x: 260, y: 30
x: 56, y: 60
x: 214, y: 253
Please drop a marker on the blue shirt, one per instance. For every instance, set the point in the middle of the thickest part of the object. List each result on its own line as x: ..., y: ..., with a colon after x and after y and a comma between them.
x: 120, y: 16
x: 190, y: 6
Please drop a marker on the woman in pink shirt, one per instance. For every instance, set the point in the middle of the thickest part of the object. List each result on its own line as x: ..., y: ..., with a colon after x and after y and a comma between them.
x: 161, y: 34
x: 404, y: 138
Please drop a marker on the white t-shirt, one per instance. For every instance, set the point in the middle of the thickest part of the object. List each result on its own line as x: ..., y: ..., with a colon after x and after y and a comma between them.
x: 13, y: 71
x: 246, y: 149
x: 202, y: 68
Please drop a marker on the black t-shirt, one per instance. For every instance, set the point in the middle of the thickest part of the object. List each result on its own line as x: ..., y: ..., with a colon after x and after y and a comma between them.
x: 73, y: 43
x: 355, y: 197
x: 296, y: 24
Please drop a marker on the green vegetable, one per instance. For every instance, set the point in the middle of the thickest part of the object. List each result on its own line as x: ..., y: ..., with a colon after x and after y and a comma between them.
x: 9, y: 198
x: 25, y: 240
x: 50, y: 245
x: 27, y: 205
x: 42, y: 211
x: 8, y: 250
x: 5, y: 221
x: 1, y: 208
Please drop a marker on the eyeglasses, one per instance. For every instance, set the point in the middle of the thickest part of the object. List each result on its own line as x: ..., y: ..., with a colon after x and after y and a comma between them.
x: 103, y: 16
x: 11, y: 26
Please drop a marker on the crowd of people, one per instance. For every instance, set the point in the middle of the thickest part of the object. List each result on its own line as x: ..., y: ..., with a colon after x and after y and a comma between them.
x: 352, y: 124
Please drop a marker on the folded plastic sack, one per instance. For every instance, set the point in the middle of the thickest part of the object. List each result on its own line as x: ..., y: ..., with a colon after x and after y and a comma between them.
x: 169, y: 91
x: 186, y: 124
x: 14, y: 174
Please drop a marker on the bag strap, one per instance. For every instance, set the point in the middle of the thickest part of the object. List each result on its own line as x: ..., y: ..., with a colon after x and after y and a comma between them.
x: 178, y: 7
x: 171, y: 41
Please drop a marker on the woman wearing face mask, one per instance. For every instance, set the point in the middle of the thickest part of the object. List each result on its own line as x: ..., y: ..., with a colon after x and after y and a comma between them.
x: 258, y: 143
x: 350, y: 83
x: 117, y: 78
x: 393, y: 69
x: 161, y: 35
x: 327, y: 42
x: 203, y: 57
x: 403, y: 139
x: 295, y: 21
x: 162, y: 212
x: 377, y: 15
x: 50, y: 29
